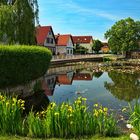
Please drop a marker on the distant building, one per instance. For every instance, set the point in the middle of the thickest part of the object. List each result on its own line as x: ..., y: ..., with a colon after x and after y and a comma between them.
x: 64, y: 44
x: 105, y: 48
x: 84, y: 41
x: 45, y: 37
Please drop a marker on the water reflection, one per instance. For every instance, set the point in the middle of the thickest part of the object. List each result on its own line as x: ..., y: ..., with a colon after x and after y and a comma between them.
x: 125, y: 86
x: 112, y: 89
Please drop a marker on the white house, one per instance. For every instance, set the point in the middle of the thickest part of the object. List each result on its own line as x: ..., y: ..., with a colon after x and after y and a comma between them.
x: 64, y: 44
x: 45, y: 37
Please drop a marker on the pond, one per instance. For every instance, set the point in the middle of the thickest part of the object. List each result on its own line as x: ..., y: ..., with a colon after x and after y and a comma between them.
x: 113, y: 89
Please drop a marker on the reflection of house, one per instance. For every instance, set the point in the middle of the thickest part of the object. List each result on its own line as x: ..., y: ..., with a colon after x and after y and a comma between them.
x: 83, y: 75
x: 84, y: 41
x: 105, y: 48
x: 65, y: 79
x: 64, y: 44
x: 45, y: 37
x: 48, y: 85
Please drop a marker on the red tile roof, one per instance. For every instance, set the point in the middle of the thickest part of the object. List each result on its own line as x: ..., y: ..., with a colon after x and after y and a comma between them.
x: 62, y: 40
x: 82, y: 76
x: 41, y: 34
x: 64, y: 80
x: 82, y: 39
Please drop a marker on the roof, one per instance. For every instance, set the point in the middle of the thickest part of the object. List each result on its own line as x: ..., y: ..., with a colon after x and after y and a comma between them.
x: 82, y: 39
x: 41, y: 34
x: 62, y: 40
x: 82, y: 76
x: 64, y: 80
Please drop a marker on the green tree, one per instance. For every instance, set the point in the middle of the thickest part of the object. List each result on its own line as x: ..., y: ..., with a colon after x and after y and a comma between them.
x: 97, y: 46
x: 125, y: 86
x: 124, y: 35
x: 17, y: 21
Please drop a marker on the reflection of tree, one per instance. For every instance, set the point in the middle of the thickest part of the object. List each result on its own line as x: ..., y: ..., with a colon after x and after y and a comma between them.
x: 125, y: 86
x: 97, y: 74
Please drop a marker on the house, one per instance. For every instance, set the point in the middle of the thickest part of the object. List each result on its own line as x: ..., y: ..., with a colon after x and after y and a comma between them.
x: 48, y: 84
x: 105, y: 48
x: 65, y: 79
x: 64, y: 44
x: 83, y: 75
x: 45, y: 37
x: 84, y: 41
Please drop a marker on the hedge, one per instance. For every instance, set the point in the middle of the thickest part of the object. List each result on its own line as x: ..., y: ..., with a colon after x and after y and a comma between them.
x: 22, y: 64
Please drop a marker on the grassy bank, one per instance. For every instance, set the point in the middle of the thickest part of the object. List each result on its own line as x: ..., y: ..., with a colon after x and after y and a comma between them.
x: 60, y: 121
x: 91, y: 138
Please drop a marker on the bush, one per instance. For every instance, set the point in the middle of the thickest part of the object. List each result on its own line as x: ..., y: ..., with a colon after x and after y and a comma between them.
x: 21, y: 64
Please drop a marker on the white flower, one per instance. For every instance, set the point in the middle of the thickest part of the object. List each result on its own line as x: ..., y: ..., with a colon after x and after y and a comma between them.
x: 129, y: 126
x: 134, y: 136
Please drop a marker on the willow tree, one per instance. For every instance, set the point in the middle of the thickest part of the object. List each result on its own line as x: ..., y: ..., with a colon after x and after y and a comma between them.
x: 17, y: 24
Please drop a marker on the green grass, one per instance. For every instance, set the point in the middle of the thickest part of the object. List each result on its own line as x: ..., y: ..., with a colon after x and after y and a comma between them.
x: 92, y: 138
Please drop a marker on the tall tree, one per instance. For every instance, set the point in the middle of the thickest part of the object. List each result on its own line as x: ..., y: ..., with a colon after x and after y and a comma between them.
x: 97, y: 46
x: 124, y: 35
x: 24, y: 17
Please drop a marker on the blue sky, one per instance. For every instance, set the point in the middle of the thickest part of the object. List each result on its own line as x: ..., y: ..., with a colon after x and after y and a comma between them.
x: 86, y: 17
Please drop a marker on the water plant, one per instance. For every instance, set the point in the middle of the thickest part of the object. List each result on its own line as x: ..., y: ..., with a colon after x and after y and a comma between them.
x: 63, y: 121
x: 135, y: 117
x: 72, y: 120
x: 11, y: 115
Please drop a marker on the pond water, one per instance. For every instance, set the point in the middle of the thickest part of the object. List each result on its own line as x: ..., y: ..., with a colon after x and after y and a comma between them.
x: 112, y: 89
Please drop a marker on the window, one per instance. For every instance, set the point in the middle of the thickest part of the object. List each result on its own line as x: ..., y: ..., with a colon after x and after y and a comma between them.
x: 67, y: 51
x: 49, y: 40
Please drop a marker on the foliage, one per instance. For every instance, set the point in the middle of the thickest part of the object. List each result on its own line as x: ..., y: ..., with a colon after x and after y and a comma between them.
x: 68, y: 120
x: 21, y: 64
x: 135, y: 117
x: 63, y: 121
x: 124, y: 35
x: 105, y: 59
x: 10, y: 116
x: 17, y: 21
x: 80, y: 49
x: 125, y: 86
x: 97, y: 44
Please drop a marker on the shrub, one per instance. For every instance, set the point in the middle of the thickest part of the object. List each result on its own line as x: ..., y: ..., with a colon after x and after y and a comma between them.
x: 21, y: 64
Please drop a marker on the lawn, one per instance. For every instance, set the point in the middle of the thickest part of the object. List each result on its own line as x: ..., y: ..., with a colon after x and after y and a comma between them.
x: 92, y: 138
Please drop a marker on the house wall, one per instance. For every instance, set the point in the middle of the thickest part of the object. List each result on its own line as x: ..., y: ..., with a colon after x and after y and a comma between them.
x: 61, y: 50
x: 87, y: 46
x: 51, y: 46
x: 50, y: 35
x: 70, y: 47
x: 67, y: 50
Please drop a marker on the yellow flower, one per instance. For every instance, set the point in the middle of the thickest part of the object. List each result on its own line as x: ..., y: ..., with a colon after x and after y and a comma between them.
x: 84, y: 99
x: 7, y: 103
x: 96, y: 105
x: 56, y: 114
x: 105, y: 109
x: 1, y: 97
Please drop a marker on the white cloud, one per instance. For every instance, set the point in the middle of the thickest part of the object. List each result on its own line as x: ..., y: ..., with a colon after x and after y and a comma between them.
x: 72, y: 7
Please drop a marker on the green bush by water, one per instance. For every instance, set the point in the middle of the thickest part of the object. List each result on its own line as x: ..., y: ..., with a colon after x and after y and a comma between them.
x: 21, y: 64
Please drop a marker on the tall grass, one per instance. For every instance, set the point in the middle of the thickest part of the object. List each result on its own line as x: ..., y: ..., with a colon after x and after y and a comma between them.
x: 74, y: 120
x: 10, y: 115
x: 135, y: 117
x: 64, y: 121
